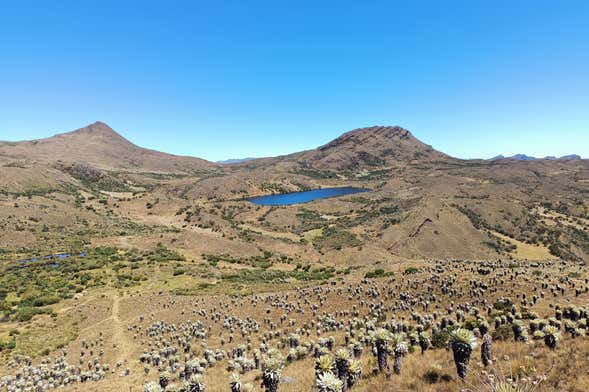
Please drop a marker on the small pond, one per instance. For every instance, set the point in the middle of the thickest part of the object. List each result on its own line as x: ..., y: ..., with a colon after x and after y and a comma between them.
x: 285, y: 199
x: 57, y: 256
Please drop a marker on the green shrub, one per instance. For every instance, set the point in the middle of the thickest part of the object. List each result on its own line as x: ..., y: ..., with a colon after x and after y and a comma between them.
x: 9, y: 345
x: 504, y: 332
x: 504, y: 304
x: 46, y: 300
x: 378, y: 273
x: 27, y: 313
x: 441, y: 339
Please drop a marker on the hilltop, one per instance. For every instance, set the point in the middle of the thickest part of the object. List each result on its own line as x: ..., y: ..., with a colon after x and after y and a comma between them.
x: 423, y: 203
x: 98, y: 145
x: 366, y: 148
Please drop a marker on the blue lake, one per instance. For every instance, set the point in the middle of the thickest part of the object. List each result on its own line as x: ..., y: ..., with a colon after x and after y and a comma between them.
x: 285, y: 199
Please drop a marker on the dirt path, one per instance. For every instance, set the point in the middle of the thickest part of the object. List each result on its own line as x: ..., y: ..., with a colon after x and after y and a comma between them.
x: 121, y: 344
x: 121, y: 351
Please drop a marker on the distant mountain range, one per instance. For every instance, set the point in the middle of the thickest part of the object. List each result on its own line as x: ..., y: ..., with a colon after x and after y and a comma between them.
x: 234, y: 161
x: 99, y: 145
x: 524, y: 157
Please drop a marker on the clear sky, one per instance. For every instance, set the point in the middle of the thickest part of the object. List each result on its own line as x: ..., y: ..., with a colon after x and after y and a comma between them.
x: 230, y: 79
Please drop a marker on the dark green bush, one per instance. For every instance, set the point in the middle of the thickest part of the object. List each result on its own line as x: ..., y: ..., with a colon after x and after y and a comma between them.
x: 378, y: 273
x: 411, y: 270
x: 504, y: 332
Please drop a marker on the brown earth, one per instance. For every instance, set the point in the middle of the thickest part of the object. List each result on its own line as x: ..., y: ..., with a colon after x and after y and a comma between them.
x: 423, y: 204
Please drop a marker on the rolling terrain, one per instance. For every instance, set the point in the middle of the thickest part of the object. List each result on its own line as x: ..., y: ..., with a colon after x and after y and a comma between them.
x: 423, y: 204
x: 122, y: 267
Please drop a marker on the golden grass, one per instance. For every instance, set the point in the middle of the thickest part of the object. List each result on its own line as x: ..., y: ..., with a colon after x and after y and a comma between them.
x: 526, y: 251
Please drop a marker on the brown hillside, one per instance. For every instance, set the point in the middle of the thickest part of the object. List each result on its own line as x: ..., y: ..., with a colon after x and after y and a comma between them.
x: 369, y: 148
x: 373, y: 146
x: 422, y: 203
x: 98, y: 145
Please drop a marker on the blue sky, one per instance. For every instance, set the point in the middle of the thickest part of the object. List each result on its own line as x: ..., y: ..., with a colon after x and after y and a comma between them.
x: 256, y: 78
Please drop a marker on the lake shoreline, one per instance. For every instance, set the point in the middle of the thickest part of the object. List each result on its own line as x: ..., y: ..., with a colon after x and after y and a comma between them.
x: 301, y: 197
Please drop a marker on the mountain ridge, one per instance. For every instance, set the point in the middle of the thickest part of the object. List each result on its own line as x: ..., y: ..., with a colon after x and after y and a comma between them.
x: 423, y: 203
x: 524, y: 157
x: 355, y: 149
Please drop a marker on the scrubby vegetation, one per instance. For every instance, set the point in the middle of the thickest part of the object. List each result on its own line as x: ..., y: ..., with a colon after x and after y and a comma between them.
x: 449, y: 275
x: 426, y: 329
